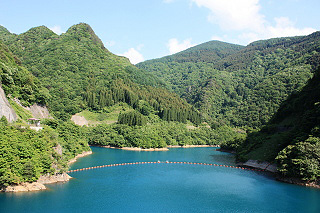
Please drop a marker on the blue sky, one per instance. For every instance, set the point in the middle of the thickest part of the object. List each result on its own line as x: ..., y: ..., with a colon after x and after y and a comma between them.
x: 147, y: 29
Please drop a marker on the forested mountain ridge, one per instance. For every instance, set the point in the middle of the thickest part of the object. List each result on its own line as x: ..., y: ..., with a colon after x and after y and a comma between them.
x: 208, y: 51
x: 291, y: 138
x: 73, y: 72
x: 80, y: 73
x: 246, y: 87
x: 17, y: 81
x: 24, y: 153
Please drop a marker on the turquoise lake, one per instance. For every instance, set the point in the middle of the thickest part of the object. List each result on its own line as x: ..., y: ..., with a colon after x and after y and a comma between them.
x: 164, y: 187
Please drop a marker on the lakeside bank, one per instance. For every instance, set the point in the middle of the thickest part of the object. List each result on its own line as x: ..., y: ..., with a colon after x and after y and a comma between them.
x: 43, y: 179
x: 154, y: 149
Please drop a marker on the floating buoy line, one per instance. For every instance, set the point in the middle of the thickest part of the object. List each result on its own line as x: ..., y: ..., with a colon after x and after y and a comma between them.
x: 162, y: 162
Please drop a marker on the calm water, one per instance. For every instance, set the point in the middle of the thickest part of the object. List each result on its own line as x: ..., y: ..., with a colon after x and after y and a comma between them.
x: 164, y: 187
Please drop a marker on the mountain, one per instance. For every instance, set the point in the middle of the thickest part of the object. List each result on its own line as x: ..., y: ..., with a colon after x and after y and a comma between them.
x: 18, y: 81
x: 292, y: 137
x: 244, y: 86
x: 189, y: 67
x: 210, y: 51
x: 24, y: 153
x: 80, y: 73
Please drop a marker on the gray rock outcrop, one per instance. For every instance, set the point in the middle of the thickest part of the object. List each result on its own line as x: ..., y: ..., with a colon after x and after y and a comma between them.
x: 5, y: 107
x: 261, y: 165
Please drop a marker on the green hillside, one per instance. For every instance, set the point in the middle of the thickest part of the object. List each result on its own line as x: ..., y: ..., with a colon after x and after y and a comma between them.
x: 292, y: 137
x: 80, y: 73
x: 24, y: 153
x: 18, y: 82
x: 186, y: 70
x: 245, y: 86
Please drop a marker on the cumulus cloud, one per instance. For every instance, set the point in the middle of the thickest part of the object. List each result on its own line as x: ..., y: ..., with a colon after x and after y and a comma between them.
x: 133, y: 55
x: 233, y: 14
x: 283, y: 27
x: 175, y: 46
x: 56, y: 29
x: 245, y: 16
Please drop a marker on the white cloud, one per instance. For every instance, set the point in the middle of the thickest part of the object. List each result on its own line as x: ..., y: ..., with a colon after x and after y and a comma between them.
x: 283, y: 27
x: 56, y: 29
x: 174, y: 45
x: 245, y: 16
x: 133, y: 55
x: 234, y: 14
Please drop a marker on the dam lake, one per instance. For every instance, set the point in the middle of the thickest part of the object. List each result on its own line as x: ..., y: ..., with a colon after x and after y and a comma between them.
x: 164, y: 187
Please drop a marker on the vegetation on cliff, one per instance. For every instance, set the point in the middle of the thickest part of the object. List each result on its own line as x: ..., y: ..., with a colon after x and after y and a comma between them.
x: 18, y: 82
x: 26, y: 154
x: 291, y: 138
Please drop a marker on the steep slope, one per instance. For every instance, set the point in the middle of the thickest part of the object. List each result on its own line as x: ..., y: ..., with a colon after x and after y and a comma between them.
x: 18, y: 84
x: 5, y: 107
x: 80, y: 73
x: 292, y: 137
x: 25, y: 154
x: 246, y: 86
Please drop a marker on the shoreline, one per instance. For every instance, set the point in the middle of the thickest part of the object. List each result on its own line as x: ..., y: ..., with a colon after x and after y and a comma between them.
x: 133, y: 148
x: 260, y: 165
x: 39, y: 185
x: 272, y: 169
x: 154, y: 149
x: 83, y: 154
x: 191, y: 146
x: 297, y: 181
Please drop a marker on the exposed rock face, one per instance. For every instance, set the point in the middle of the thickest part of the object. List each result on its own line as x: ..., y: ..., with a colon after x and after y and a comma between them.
x: 44, y: 179
x: 79, y: 120
x: 36, y: 110
x: 5, y: 107
x: 261, y: 165
x: 39, y: 111
x: 24, y: 187
x: 39, y: 185
x: 47, y: 179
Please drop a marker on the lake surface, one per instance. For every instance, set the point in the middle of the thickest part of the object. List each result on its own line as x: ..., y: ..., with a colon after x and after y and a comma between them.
x: 164, y: 187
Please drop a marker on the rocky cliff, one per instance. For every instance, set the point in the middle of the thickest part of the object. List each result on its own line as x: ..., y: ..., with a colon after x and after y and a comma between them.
x: 5, y: 107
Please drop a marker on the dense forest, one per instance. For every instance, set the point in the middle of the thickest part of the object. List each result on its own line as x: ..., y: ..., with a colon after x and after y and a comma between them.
x: 72, y: 73
x: 26, y: 154
x: 239, y: 86
x: 80, y: 73
x: 260, y: 100
x: 18, y: 81
x: 260, y: 86
x: 291, y: 138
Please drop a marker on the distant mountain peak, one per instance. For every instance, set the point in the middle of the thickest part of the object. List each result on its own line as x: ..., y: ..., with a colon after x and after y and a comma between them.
x: 210, y: 51
x: 36, y: 33
x: 84, y: 30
